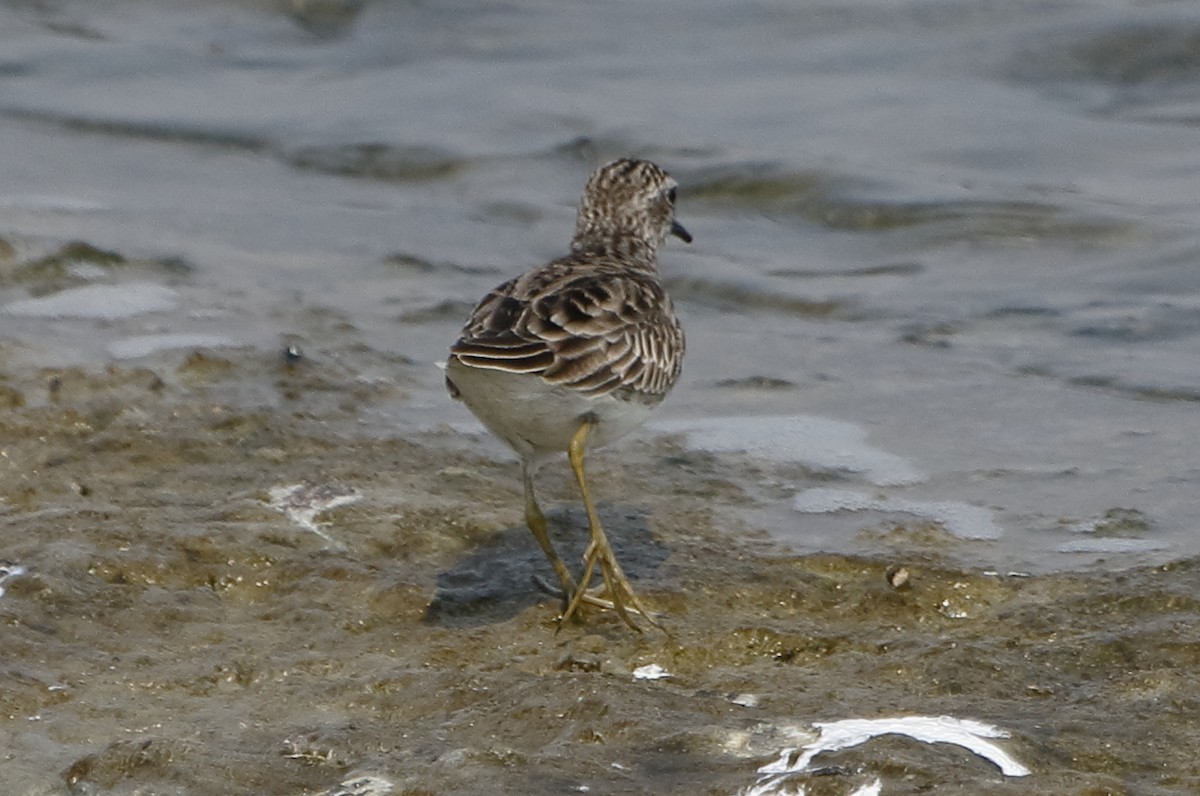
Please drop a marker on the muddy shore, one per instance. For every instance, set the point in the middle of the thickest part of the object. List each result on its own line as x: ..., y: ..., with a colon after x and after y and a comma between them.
x: 176, y: 633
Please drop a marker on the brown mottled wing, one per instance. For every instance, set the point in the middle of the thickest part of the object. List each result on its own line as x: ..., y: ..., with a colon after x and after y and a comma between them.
x: 592, y: 328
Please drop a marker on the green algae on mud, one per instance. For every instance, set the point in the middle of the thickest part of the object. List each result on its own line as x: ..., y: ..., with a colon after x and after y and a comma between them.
x: 42, y: 269
x: 176, y: 634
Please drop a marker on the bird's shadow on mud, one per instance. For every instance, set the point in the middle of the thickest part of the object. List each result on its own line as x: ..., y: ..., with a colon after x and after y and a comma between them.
x: 495, y: 581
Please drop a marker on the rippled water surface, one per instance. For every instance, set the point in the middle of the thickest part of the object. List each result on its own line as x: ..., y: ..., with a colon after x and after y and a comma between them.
x: 945, y: 288
x: 966, y: 227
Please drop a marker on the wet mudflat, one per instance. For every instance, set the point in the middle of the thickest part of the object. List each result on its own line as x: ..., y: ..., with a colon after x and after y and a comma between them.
x: 943, y: 283
x: 178, y: 631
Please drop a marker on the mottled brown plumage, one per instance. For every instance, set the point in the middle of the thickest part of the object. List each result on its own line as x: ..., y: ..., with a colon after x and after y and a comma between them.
x: 576, y: 352
x: 585, y: 322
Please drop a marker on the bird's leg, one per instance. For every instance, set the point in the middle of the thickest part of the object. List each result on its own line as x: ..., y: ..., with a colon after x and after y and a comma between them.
x: 537, y: 524
x: 598, y: 550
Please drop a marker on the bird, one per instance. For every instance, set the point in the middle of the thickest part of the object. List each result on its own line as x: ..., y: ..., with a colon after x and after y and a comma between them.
x: 576, y: 353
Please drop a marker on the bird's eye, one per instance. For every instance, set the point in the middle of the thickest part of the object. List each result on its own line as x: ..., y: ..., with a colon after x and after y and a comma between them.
x: 671, y: 196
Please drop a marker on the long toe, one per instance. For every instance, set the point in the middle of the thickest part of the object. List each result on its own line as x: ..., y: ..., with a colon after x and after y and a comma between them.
x: 593, y: 596
x: 616, y: 593
x: 577, y: 598
x: 622, y: 595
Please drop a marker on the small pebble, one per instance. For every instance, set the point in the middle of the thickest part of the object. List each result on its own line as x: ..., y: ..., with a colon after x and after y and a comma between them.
x: 897, y: 576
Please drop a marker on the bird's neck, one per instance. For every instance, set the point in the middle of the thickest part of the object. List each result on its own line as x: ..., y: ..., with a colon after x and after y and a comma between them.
x: 632, y: 248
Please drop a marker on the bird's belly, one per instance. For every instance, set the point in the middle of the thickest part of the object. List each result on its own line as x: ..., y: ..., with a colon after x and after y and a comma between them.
x: 537, y: 418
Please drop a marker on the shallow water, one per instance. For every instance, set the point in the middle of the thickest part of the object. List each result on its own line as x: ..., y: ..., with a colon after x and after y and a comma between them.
x: 965, y: 227
x: 943, y: 299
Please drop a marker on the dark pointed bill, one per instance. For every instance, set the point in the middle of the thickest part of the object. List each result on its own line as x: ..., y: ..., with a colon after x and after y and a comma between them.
x: 678, y: 231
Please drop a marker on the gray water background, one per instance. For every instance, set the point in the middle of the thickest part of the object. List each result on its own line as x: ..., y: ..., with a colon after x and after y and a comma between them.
x: 964, y: 230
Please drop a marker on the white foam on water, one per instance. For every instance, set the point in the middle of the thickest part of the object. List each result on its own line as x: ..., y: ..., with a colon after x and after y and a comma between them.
x: 651, y: 671
x: 816, y: 442
x: 366, y: 785
x: 960, y: 519
x: 974, y: 736
x: 100, y: 302
x: 303, y: 502
x: 9, y: 571
x: 143, y: 345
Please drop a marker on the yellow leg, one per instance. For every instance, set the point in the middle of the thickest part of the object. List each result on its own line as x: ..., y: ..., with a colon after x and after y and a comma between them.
x: 537, y: 524
x: 598, y: 550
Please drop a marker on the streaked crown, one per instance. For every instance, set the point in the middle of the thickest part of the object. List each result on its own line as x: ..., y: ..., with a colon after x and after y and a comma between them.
x: 628, y: 208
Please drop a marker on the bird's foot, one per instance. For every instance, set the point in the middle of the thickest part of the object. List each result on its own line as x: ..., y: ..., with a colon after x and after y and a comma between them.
x: 616, y: 593
x: 591, y: 596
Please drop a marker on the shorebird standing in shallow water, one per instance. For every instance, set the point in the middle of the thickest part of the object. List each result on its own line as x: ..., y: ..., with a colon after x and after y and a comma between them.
x: 576, y: 353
